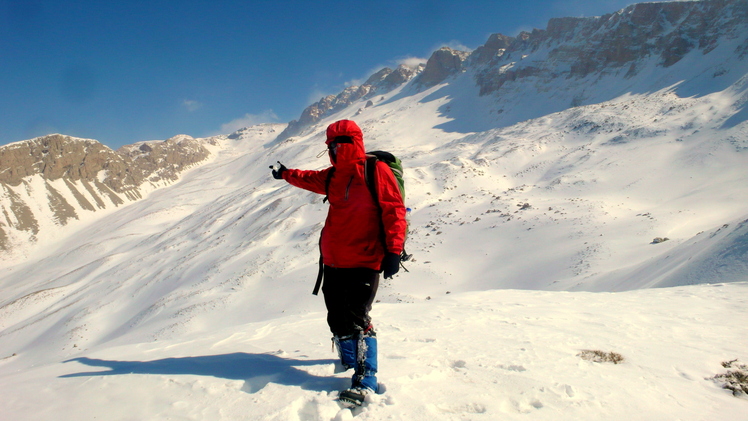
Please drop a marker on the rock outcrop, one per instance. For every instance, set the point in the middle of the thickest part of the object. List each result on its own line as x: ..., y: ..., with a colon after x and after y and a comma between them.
x: 577, y: 47
x: 569, y: 48
x: 57, y: 156
x: 51, y: 180
x: 381, y: 82
x: 496, y: 45
x: 157, y: 161
x: 442, y: 64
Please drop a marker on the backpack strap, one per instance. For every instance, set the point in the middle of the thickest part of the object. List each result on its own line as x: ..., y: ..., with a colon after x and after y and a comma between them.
x: 327, y: 184
x: 321, y: 272
x: 370, y: 167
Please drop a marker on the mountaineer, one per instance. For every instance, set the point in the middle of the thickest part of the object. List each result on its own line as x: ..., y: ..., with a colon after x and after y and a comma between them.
x: 363, y: 235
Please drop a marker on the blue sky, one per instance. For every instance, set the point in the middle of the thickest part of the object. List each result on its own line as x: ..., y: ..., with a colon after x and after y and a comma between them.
x: 127, y: 71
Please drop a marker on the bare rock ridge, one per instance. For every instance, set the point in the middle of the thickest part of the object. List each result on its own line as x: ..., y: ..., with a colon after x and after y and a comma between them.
x: 581, y: 46
x: 379, y: 83
x: 568, y: 48
x: 54, y: 178
x: 442, y: 64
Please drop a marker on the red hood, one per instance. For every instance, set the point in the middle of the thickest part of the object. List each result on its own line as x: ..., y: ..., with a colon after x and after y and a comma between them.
x: 347, y: 154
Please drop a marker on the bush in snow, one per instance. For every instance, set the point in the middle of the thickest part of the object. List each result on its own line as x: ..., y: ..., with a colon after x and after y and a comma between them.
x: 736, y: 379
x: 600, y: 356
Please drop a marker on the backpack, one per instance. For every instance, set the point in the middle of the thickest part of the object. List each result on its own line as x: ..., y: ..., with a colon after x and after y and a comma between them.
x: 396, y: 166
x: 370, y: 165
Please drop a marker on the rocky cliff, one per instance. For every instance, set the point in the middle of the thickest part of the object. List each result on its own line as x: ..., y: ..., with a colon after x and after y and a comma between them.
x: 381, y: 82
x: 49, y: 181
x: 554, y: 67
x: 442, y: 64
x: 577, y: 47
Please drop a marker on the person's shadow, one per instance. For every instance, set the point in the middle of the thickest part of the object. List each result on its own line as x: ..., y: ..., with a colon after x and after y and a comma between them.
x: 257, y: 370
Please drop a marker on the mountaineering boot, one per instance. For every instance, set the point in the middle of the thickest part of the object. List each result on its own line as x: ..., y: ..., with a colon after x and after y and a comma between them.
x: 366, y: 363
x: 364, y: 379
x: 352, y: 397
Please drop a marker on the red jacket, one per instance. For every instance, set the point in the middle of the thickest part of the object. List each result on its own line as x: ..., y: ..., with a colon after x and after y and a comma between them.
x: 351, y: 237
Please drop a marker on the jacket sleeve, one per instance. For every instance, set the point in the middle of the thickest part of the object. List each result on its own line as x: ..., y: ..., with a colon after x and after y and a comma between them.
x: 309, y: 180
x: 393, y: 208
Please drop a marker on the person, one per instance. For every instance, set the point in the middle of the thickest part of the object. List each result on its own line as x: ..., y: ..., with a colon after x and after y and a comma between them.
x: 363, y: 236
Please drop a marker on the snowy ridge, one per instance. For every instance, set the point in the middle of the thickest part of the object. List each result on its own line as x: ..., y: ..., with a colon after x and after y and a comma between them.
x: 51, y: 185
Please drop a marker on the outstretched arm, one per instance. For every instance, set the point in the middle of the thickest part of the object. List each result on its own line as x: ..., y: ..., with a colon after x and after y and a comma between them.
x: 309, y: 180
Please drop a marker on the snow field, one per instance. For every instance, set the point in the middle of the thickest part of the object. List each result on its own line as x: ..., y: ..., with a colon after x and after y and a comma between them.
x: 481, y: 355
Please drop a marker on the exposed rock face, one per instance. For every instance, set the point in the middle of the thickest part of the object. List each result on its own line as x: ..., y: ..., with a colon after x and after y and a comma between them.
x: 577, y: 47
x: 568, y: 48
x: 442, y: 64
x: 57, y: 177
x: 495, y: 46
x: 157, y: 161
x: 380, y: 82
x: 396, y: 78
x: 57, y: 156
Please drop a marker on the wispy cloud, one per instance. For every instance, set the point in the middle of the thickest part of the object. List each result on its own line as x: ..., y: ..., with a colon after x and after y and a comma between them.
x: 582, y: 8
x: 519, y: 29
x: 408, y: 61
x: 411, y: 62
x: 248, y: 120
x: 191, y: 105
x: 454, y: 44
x: 354, y: 82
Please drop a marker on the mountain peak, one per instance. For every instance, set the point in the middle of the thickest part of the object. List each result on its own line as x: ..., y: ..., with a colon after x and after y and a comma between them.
x: 381, y: 82
x: 443, y: 63
x: 50, y: 180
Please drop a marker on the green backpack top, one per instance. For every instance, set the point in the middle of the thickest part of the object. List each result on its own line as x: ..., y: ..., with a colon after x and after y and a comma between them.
x: 396, y: 166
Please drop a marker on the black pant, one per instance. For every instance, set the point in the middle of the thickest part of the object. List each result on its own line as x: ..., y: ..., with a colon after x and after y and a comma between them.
x: 349, y: 294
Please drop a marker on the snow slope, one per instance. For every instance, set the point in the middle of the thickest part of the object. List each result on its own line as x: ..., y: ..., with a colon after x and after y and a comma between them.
x: 196, y: 303
x: 485, y: 355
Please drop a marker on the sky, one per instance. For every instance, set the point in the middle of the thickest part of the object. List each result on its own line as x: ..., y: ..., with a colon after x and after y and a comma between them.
x: 123, y: 72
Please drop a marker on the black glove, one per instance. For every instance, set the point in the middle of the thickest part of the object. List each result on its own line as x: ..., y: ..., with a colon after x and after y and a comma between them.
x: 278, y: 174
x: 390, y: 264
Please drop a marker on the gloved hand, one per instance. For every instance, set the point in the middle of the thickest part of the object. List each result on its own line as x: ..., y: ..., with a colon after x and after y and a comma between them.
x: 390, y: 264
x: 278, y: 174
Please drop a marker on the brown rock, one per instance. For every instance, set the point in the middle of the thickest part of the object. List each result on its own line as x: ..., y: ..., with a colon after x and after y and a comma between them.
x: 443, y: 63
x: 89, y: 170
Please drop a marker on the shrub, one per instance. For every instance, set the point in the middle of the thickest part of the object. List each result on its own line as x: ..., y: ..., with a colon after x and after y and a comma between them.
x: 600, y: 356
x: 735, y: 380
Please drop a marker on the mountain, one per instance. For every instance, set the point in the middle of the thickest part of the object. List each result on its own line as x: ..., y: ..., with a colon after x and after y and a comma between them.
x: 575, y: 61
x: 49, y: 181
x: 381, y: 82
x: 552, y: 201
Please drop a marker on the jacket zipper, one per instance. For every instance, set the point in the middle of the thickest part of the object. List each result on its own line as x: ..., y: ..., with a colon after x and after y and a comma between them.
x: 348, y: 187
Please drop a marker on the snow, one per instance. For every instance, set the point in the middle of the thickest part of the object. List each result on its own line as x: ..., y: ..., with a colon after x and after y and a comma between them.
x: 532, y: 232
x: 483, y: 355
